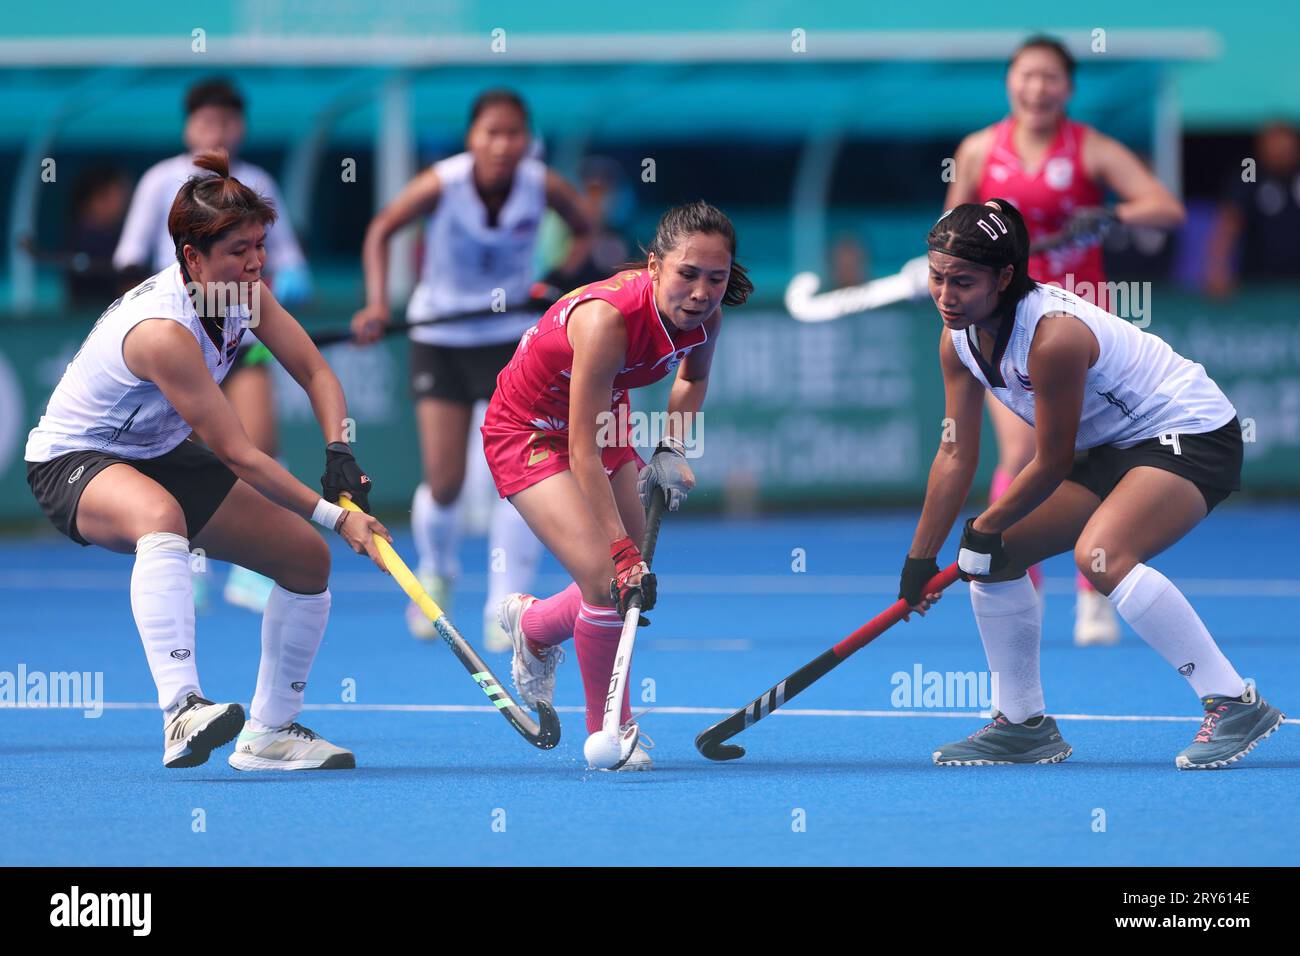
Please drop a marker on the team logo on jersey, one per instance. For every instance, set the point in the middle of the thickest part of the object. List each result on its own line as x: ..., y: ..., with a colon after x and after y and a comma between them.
x: 999, y: 172
x: 1059, y: 172
x: 73, y: 478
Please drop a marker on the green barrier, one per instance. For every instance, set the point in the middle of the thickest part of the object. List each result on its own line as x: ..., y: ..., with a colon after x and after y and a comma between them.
x: 840, y: 413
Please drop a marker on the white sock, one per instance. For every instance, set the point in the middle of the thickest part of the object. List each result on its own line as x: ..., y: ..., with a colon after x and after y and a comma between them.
x: 162, y: 601
x: 1011, y: 626
x: 513, y: 555
x: 292, y: 628
x: 1162, y: 617
x: 436, y: 529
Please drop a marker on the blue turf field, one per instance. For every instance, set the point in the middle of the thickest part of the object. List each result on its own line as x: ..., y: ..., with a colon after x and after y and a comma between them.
x: 733, y: 620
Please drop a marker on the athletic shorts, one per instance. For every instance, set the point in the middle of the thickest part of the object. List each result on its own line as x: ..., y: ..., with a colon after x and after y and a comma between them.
x: 1211, y: 461
x: 463, y: 375
x: 520, y: 459
x: 190, y: 473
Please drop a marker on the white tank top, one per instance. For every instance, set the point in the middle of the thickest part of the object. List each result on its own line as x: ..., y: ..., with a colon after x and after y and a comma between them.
x: 100, y: 405
x: 1138, y: 389
x: 465, y: 259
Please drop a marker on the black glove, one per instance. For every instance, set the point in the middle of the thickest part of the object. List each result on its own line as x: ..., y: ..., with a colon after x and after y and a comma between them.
x: 916, y: 573
x: 981, y: 552
x: 342, y: 473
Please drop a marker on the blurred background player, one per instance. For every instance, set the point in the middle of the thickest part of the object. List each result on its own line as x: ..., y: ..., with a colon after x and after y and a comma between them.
x: 214, y: 119
x: 484, y: 207
x: 113, y: 463
x: 582, y: 490
x: 99, y: 201
x: 1057, y: 172
x: 1255, y: 236
x: 1134, y: 446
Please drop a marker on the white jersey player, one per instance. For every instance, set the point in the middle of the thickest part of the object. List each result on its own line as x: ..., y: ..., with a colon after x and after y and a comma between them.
x: 483, y: 209
x: 1134, y: 446
x: 214, y: 119
x: 113, y: 463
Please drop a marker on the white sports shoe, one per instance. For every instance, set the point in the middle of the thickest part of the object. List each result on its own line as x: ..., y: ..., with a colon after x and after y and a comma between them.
x: 197, y: 728
x: 534, y: 677
x: 291, y: 747
x: 440, y: 589
x: 1095, y: 621
x: 640, y: 760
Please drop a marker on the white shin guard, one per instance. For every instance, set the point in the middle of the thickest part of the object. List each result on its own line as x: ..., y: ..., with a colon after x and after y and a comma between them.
x: 1011, y: 627
x: 162, y: 601
x: 1162, y: 617
x: 292, y: 628
x: 436, y: 529
x: 513, y: 555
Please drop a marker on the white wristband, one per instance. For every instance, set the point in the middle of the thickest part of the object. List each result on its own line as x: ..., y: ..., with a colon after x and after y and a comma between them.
x: 327, y: 515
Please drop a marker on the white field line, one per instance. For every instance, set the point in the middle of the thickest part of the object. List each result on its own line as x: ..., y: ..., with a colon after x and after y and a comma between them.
x: 50, y: 579
x: 703, y: 711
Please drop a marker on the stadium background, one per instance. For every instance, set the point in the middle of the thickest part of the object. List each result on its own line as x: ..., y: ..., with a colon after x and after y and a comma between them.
x: 844, y: 139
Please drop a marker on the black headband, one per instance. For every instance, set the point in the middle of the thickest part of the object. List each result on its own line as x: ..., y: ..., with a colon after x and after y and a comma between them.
x: 972, y: 252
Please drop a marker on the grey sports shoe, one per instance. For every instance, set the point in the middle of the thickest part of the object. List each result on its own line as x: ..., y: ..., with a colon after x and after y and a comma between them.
x: 1231, y: 729
x: 1002, y: 742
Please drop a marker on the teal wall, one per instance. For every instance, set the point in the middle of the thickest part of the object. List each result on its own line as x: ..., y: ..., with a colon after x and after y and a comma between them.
x: 1257, y: 75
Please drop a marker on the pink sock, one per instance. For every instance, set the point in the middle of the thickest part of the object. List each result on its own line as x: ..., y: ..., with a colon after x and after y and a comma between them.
x: 1001, y: 482
x: 595, y: 635
x: 550, y: 621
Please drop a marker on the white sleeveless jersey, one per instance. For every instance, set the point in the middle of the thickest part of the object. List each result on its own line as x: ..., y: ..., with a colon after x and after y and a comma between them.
x: 465, y: 259
x: 99, y: 405
x: 1138, y: 389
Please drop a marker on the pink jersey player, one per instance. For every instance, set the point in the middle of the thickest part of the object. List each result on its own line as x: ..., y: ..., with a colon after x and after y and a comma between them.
x: 556, y: 440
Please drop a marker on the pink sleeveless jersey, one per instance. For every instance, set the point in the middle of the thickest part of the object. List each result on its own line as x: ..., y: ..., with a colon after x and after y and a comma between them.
x: 1047, y: 199
x: 525, y: 431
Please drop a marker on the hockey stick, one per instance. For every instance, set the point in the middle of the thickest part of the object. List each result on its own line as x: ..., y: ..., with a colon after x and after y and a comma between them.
x: 711, y: 744
x: 543, y: 733
x: 599, y: 743
x: 806, y: 304
x: 335, y: 336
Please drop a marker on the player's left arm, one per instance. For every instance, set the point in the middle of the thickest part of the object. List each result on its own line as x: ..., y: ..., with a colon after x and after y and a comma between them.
x: 564, y: 199
x: 293, y: 348
x: 1144, y: 200
x: 668, y: 468
x: 1059, y: 357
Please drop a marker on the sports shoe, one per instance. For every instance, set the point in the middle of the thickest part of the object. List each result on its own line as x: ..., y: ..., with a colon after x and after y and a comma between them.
x: 1232, y: 727
x: 248, y: 589
x: 1095, y: 620
x: 640, y: 760
x: 533, y: 674
x: 1002, y: 742
x: 439, y: 588
x: 292, y: 747
x: 495, y: 638
x: 197, y: 728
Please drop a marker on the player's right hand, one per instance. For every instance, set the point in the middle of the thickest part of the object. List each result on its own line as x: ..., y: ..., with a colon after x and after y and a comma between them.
x: 631, y: 576
x: 369, y: 323
x: 916, y: 573
x: 359, y: 530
